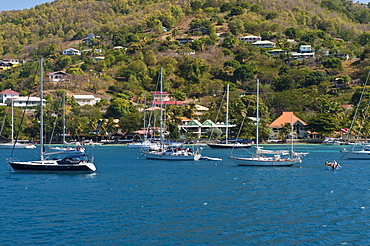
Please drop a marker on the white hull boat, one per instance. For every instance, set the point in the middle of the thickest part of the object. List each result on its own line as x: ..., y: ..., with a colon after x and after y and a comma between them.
x: 172, y: 155
x: 265, y: 161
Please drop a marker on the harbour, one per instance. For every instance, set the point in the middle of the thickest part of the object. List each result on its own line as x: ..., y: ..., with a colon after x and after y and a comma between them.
x: 134, y: 201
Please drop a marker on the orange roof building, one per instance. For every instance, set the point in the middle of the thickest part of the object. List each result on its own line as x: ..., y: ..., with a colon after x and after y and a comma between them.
x: 299, y: 126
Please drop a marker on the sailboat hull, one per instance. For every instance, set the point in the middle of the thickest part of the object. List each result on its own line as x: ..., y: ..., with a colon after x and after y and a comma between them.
x: 51, y: 166
x: 157, y: 155
x: 228, y: 146
x: 264, y: 161
x: 17, y: 146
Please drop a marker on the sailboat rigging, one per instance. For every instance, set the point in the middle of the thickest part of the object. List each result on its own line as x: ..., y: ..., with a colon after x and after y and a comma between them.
x: 227, y: 143
x: 165, y: 152
x: 258, y: 159
x: 15, y: 144
x: 72, y: 163
x: 65, y: 149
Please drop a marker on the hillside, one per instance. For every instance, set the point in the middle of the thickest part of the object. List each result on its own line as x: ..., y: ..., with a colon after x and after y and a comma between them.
x: 123, y: 44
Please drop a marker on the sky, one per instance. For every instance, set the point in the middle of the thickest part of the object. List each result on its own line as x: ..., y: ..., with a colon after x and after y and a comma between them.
x: 20, y: 4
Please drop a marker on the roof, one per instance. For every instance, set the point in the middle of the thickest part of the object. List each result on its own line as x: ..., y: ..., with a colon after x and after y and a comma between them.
x: 158, y: 93
x: 250, y: 36
x: 168, y: 102
x: 152, y: 109
x: 29, y: 99
x: 184, y: 119
x: 263, y: 42
x: 286, y: 117
x: 9, y: 91
x: 83, y: 96
x: 58, y: 72
x: 201, y: 108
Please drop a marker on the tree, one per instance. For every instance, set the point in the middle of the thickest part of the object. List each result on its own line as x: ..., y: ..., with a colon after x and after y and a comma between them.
x: 243, y: 73
x: 324, y: 123
x: 315, y: 78
x: 332, y: 62
x: 226, y: 7
x: 195, y: 5
x: 236, y: 26
x: 237, y: 10
x: 63, y: 62
x: 120, y: 107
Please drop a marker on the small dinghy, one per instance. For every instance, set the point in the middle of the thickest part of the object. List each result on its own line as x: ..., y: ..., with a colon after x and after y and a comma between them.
x: 333, y: 165
x: 207, y: 158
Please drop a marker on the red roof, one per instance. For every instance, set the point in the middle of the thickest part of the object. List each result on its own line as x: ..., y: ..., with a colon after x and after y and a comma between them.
x: 9, y: 91
x: 286, y: 117
x: 158, y: 93
x: 168, y: 102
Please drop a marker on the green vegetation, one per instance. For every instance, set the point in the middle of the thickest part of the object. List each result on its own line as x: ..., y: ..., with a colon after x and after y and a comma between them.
x: 136, y: 38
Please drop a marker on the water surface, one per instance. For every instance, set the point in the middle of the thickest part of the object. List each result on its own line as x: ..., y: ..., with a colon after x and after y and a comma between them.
x: 134, y: 201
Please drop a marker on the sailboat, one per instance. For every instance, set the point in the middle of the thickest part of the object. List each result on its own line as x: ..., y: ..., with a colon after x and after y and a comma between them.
x: 355, y: 153
x: 65, y: 149
x: 165, y: 152
x: 15, y: 144
x: 72, y: 163
x: 259, y: 159
x: 227, y: 143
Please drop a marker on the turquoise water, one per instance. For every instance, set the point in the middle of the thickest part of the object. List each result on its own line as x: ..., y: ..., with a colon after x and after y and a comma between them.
x: 131, y: 201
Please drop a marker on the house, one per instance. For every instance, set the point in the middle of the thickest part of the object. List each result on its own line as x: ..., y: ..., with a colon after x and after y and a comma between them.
x: 91, y: 39
x: 203, y: 30
x: 157, y: 96
x: 299, y: 126
x: 250, y: 39
x: 200, y: 109
x: 5, y: 65
x: 59, y: 77
x: 276, y: 52
x: 302, y: 56
x: 28, y: 102
x: 264, y: 44
x: 15, y: 62
x: 166, y: 99
x: 86, y: 99
x: 185, y: 40
x: 306, y: 49
x: 71, y: 51
x: 198, y: 129
x: 7, y: 94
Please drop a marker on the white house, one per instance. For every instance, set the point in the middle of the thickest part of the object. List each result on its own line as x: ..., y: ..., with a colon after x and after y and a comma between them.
x: 28, y: 101
x: 86, y: 99
x: 302, y: 56
x: 71, y: 51
x: 7, y: 94
x: 250, y: 39
x: 264, y: 44
x: 277, y: 52
x: 59, y: 77
x: 306, y: 49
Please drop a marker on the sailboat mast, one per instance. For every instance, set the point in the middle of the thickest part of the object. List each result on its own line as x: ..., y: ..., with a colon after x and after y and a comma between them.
x: 227, y: 112
x: 12, y: 118
x: 41, y: 114
x: 161, y: 110
x: 64, y: 118
x: 257, y: 112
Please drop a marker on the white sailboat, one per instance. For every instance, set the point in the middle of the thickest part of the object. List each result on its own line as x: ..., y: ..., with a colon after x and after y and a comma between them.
x: 65, y: 149
x: 259, y: 159
x: 227, y: 143
x: 73, y: 163
x: 362, y: 152
x: 165, y: 152
x: 15, y: 144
